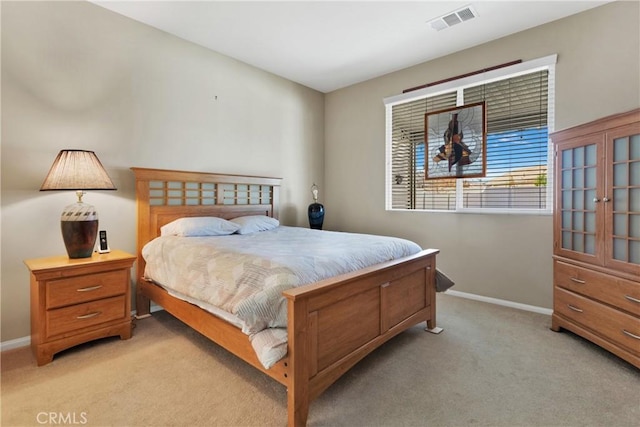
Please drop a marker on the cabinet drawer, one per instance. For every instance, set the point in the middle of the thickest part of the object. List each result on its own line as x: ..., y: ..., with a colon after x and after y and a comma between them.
x: 620, y: 293
x: 74, y: 290
x: 67, y: 319
x: 616, y: 326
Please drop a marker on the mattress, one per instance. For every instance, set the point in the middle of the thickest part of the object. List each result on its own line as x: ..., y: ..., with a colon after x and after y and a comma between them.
x: 241, y: 277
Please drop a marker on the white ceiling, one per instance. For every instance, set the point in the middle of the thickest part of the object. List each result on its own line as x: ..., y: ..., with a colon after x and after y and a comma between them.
x: 327, y: 45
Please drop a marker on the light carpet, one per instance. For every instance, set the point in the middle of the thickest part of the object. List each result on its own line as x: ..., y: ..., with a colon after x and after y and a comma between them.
x: 492, y: 366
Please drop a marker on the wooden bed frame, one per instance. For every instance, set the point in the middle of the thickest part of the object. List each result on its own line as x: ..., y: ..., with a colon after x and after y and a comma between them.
x: 332, y: 324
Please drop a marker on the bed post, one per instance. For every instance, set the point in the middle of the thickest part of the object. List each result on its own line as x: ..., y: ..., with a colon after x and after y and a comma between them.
x: 299, y: 348
x: 431, y: 322
x: 143, y: 304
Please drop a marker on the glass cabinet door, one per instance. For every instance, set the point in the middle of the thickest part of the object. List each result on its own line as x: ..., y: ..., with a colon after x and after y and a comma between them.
x: 579, y: 174
x: 623, y: 199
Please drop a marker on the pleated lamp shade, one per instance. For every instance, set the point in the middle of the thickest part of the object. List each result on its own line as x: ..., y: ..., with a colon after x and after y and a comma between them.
x: 78, y: 170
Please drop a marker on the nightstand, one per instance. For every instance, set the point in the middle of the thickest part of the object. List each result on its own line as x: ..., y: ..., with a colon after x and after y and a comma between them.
x: 78, y: 300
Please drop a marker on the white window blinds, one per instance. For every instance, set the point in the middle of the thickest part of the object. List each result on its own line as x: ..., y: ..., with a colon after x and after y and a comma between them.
x: 517, y: 144
x: 408, y: 152
x: 518, y: 124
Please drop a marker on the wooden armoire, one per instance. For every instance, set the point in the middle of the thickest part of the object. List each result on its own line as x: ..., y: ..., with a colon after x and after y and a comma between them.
x: 596, y: 261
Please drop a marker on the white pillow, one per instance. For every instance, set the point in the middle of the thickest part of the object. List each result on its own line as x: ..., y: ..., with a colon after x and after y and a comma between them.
x: 253, y: 223
x: 199, y: 226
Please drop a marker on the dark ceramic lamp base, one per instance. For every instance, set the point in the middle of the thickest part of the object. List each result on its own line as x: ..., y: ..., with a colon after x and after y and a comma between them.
x: 316, y: 216
x: 79, y: 224
x: 79, y: 237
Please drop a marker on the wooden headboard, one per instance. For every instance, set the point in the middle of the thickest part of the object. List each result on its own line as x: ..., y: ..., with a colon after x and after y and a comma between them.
x: 165, y: 195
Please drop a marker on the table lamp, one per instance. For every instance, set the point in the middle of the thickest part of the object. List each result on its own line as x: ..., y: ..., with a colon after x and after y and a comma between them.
x: 315, y: 210
x: 78, y: 170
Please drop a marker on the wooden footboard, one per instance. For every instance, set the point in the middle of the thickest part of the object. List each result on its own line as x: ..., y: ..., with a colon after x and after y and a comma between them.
x: 332, y: 324
x: 335, y: 323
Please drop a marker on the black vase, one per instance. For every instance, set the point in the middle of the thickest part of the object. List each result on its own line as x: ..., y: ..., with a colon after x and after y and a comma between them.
x: 316, y: 215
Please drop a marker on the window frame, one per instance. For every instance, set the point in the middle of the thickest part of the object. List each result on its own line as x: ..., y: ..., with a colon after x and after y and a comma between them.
x: 458, y: 85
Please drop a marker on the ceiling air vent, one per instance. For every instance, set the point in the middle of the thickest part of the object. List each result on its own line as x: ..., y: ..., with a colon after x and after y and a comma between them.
x: 453, y: 18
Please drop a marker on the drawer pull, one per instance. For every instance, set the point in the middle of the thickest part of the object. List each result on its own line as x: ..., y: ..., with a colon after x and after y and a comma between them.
x: 575, y: 308
x: 632, y: 299
x: 90, y: 288
x: 574, y: 279
x: 90, y: 315
x: 630, y: 334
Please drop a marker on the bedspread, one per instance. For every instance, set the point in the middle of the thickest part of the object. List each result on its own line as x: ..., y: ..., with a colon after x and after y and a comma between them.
x: 246, y: 274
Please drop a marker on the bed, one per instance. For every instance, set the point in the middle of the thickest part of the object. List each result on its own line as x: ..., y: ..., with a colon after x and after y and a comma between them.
x: 368, y: 306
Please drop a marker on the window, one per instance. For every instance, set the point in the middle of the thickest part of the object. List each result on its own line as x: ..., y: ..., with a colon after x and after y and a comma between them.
x: 519, y: 111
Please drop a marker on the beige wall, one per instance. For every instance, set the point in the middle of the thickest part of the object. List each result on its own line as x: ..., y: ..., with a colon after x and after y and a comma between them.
x: 75, y: 75
x: 499, y: 256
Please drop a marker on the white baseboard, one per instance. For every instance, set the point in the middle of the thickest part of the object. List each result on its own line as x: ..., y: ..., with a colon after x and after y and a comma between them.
x: 25, y: 341
x: 17, y: 343
x: 154, y: 308
x: 519, y: 306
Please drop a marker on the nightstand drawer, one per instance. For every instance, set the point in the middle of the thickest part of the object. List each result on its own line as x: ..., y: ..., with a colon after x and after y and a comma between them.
x: 620, y: 293
x: 67, y: 319
x: 74, y: 290
x: 615, y: 325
